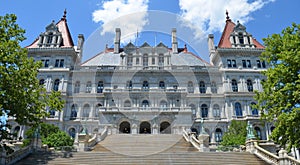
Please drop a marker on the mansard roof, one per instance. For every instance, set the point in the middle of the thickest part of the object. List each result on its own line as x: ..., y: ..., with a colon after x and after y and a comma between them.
x: 63, y: 28
x: 228, y: 29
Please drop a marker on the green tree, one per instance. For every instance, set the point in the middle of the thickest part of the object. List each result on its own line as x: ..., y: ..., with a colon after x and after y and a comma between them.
x: 21, y: 95
x: 236, y: 134
x: 50, y: 135
x: 280, y: 100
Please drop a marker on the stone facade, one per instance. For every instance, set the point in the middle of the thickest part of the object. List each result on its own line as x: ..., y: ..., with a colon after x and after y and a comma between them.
x: 151, y: 89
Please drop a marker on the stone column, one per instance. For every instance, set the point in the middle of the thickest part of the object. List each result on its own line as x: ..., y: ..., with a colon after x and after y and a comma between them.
x: 282, y: 157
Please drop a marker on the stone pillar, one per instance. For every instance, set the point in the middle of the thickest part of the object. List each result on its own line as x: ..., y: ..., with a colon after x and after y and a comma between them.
x: 204, y: 142
x: 282, y: 157
x: 83, y: 142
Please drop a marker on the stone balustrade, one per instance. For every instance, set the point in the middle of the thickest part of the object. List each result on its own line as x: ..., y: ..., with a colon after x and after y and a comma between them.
x: 282, y: 158
x: 15, y: 156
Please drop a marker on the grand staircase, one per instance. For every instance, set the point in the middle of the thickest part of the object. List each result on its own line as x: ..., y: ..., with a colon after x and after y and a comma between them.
x: 143, y: 149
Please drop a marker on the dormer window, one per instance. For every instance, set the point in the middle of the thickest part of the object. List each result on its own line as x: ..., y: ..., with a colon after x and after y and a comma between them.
x: 51, y: 38
x: 240, y: 38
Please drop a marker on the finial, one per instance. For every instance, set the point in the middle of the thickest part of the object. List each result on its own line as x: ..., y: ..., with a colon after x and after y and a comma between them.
x: 227, y: 16
x: 65, y: 15
x: 185, y: 48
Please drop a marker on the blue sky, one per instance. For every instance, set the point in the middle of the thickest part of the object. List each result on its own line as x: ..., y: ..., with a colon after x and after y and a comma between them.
x: 198, y: 19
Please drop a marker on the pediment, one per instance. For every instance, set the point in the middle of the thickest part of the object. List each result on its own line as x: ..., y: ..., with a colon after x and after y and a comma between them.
x: 145, y: 45
x: 130, y: 45
x: 52, y: 27
x: 161, y: 45
x: 239, y: 27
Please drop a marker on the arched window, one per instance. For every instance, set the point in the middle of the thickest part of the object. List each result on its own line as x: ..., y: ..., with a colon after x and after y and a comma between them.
x: 16, y: 131
x: 190, y: 87
x: 216, y: 111
x: 194, y: 111
x: 145, y: 104
x: 204, y: 111
x: 234, y: 85
x: 88, y: 87
x: 218, y: 135
x: 145, y: 60
x: 214, y: 88
x: 56, y: 85
x: 72, y: 132
x: 202, y: 87
x: 100, y: 87
x: 249, y: 85
x: 238, y: 109
x: 272, y: 129
x: 42, y: 82
x: 162, y: 85
x: 77, y: 87
x: 98, y: 108
x: 127, y: 103
x: 73, y: 112
x: 145, y: 85
x: 86, y: 110
x: 253, y: 110
x: 258, y: 132
x: 163, y: 105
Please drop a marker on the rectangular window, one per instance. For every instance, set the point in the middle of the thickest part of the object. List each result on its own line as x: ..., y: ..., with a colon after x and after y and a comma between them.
x: 153, y: 61
x: 249, y: 63
x: 233, y: 63
x: 258, y: 63
x: 61, y: 64
x: 47, y: 63
x: 56, y: 63
x: 137, y: 62
x: 263, y: 64
x: 229, y: 64
x: 244, y: 63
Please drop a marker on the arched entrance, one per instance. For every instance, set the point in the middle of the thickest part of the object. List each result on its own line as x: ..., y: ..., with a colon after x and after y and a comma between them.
x: 145, y: 127
x: 124, y: 127
x: 165, y: 128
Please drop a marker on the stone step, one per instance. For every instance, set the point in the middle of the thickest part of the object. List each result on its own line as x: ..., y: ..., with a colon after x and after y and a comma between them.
x: 143, y: 149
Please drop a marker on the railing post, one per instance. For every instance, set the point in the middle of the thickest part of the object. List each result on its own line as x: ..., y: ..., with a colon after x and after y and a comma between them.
x: 282, y: 157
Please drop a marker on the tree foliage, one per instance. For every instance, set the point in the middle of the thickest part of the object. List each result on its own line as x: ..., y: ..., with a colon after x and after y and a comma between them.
x: 21, y: 95
x: 50, y: 135
x: 236, y: 134
x: 280, y: 100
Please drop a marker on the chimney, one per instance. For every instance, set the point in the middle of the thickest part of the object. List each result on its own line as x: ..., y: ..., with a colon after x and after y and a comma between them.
x: 210, y: 41
x: 117, y: 41
x: 174, y: 41
x: 80, y: 41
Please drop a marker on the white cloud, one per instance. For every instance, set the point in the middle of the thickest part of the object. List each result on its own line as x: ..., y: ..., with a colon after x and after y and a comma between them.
x: 129, y: 15
x: 206, y: 17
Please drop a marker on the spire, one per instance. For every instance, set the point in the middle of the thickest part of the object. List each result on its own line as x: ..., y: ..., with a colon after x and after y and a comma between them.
x: 65, y: 15
x: 227, y: 16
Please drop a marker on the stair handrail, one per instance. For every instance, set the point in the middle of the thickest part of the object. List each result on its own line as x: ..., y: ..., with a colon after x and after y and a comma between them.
x: 190, y: 137
x: 186, y: 135
x: 271, y: 158
x: 194, y: 141
x: 265, y: 155
x: 103, y: 133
